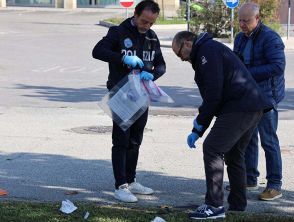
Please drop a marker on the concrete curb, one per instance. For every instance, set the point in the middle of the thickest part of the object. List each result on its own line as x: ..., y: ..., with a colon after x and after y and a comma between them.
x: 289, y: 43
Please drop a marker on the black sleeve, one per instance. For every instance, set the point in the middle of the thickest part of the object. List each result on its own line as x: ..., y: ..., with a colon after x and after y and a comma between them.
x: 210, y: 67
x: 159, y: 63
x: 105, y: 49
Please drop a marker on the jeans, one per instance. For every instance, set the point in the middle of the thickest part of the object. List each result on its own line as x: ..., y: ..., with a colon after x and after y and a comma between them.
x: 125, y: 150
x: 267, y: 129
x: 227, y: 140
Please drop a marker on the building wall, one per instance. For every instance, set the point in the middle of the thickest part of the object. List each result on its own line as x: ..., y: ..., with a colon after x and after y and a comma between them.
x: 283, y: 12
x: 169, y: 8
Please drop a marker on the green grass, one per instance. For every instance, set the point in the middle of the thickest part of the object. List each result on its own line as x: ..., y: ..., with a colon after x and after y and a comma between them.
x: 49, y: 212
x: 159, y: 21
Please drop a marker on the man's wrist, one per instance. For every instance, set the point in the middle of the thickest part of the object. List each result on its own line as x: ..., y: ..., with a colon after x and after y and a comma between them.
x: 194, y: 130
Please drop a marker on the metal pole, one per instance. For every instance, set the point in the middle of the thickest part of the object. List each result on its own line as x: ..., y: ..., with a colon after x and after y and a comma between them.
x: 289, y: 18
x: 162, y: 6
x: 188, y: 15
x: 232, y: 25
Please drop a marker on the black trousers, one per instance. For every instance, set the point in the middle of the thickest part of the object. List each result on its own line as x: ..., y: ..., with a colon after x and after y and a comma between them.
x: 227, y: 141
x: 125, y: 150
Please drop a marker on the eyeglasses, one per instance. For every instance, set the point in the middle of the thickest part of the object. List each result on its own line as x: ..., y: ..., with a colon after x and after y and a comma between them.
x: 180, y: 50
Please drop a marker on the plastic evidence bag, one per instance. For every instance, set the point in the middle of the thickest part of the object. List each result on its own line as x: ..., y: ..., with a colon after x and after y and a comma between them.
x: 155, y: 93
x: 126, y: 101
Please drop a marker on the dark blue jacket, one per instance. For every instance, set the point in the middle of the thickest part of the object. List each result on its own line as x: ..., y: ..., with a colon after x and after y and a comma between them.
x: 225, y: 84
x: 267, y: 60
x: 126, y: 40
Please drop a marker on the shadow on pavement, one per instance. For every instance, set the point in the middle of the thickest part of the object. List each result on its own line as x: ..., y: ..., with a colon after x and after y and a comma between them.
x: 47, y: 177
x: 183, y: 97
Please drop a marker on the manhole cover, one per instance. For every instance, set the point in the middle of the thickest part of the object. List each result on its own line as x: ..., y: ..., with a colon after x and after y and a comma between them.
x: 92, y: 129
x: 96, y: 129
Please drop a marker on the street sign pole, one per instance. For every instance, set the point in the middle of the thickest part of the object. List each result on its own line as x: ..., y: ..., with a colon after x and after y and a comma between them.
x: 232, y: 4
x: 188, y: 15
x: 232, y: 25
x: 289, y: 18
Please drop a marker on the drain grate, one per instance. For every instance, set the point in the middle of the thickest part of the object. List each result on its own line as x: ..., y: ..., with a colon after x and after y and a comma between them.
x: 92, y: 129
x: 95, y: 129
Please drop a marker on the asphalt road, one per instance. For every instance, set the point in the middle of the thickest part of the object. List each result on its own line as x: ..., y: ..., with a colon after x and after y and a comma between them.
x: 49, y: 88
x: 46, y: 62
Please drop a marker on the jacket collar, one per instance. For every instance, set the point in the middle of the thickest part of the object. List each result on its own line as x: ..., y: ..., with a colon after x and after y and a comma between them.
x: 129, y: 25
x: 202, y: 38
x: 255, y: 32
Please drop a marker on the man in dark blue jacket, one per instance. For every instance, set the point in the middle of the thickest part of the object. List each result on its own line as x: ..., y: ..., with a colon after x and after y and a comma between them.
x: 131, y: 45
x: 231, y: 95
x: 262, y: 51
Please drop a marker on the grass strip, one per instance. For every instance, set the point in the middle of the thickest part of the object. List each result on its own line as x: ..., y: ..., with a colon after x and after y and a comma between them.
x: 49, y: 212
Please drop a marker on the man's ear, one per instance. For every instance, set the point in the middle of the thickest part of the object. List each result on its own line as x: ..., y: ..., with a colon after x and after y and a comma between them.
x: 257, y: 17
x: 188, y: 43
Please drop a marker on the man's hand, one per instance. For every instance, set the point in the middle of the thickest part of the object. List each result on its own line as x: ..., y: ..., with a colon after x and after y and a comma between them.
x: 192, y: 138
x: 146, y: 75
x: 133, y: 61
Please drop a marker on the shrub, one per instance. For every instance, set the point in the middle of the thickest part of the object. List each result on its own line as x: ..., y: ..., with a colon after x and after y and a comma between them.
x: 213, y: 16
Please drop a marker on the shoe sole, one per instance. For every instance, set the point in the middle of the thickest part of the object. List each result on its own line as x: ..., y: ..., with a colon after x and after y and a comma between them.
x: 134, y: 192
x: 130, y: 201
x: 208, y: 218
x: 273, y: 198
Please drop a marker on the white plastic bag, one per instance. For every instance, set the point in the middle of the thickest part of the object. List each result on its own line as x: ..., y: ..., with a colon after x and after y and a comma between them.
x: 67, y: 207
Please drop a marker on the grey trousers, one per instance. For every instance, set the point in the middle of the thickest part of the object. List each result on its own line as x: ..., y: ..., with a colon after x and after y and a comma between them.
x: 227, y: 142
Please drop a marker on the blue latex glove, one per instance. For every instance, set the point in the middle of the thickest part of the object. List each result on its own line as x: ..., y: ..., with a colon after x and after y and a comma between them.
x: 192, y: 138
x: 133, y: 61
x: 146, y: 75
x: 197, y: 126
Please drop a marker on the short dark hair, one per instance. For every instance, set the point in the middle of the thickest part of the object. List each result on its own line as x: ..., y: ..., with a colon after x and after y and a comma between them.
x: 147, y: 5
x: 184, y: 36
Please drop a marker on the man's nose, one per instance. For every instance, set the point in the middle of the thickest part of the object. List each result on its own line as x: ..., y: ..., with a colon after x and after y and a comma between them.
x: 242, y: 25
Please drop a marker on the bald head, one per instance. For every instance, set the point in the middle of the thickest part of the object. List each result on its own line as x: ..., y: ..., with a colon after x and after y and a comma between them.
x: 249, y: 8
x: 182, y: 44
x: 248, y: 17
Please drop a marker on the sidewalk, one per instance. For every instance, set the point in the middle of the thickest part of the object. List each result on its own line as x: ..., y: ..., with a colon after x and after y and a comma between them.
x: 167, y: 40
x: 54, y: 139
x: 289, y: 43
x: 47, y: 152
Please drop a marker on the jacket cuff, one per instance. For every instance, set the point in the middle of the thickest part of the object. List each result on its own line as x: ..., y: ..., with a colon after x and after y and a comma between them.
x: 199, y: 133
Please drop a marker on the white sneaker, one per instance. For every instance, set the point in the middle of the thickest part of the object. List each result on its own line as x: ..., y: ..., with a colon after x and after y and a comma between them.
x: 124, y: 194
x: 137, y: 188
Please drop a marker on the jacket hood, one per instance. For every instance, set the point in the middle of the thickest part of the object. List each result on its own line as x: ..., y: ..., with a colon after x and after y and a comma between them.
x: 201, y: 39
